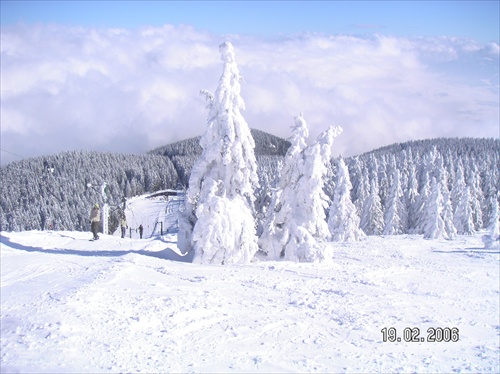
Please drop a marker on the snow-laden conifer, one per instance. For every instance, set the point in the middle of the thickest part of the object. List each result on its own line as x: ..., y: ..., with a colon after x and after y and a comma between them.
x: 477, y: 197
x: 442, y: 179
x: 458, y: 187
x: 282, y: 203
x: 464, y: 215
x: 433, y: 224
x: 343, y: 220
x: 360, y: 184
x: 395, y: 212
x: 372, y: 219
x: 447, y: 215
x: 492, y: 236
x: 411, y: 200
x: 296, y: 227
x: 218, y: 222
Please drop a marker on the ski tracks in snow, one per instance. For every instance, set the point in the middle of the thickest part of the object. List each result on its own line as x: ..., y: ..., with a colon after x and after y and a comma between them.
x: 63, y: 311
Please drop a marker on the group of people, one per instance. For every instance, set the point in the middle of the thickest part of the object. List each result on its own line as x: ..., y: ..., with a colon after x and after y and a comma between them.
x: 95, y: 221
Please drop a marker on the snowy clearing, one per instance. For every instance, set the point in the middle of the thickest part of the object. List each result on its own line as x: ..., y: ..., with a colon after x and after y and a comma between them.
x: 118, y: 305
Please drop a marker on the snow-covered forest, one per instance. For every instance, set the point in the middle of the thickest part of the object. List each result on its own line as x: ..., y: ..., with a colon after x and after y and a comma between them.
x: 35, y: 197
x: 58, y: 190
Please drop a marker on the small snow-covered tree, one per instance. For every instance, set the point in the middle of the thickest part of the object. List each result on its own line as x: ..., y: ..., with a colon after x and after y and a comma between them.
x: 218, y: 222
x: 411, y: 198
x: 442, y: 177
x: 343, y: 220
x: 433, y: 224
x: 458, y: 187
x: 395, y: 212
x: 372, y: 220
x: 477, y: 198
x: 296, y: 225
x: 426, y: 171
x: 447, y: 215
x: 493, y: 235
x: 361, y: 186
x: 464, y: 215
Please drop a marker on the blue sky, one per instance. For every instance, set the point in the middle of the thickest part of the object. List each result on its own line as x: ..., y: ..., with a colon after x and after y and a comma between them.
x: 474, y: 19
x: 125, y: 76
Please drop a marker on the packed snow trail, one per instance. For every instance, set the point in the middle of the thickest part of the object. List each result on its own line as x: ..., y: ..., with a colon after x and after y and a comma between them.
x: 154, y: 212
x: 117, y: 305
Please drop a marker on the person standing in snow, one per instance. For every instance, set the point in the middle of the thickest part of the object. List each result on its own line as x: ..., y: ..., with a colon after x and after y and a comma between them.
x: 95, y: 220
x: 123, y: 225
x: 141, y: 229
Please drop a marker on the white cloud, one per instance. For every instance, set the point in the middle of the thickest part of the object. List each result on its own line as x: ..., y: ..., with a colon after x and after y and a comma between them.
x: 132, y: 90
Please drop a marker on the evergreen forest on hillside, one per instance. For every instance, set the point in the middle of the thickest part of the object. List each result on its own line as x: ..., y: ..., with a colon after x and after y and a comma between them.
x: 395, y: 183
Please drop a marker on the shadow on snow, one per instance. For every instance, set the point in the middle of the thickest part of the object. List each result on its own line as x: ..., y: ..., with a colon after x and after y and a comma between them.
x: 471, y: 251
x: 166, y: 254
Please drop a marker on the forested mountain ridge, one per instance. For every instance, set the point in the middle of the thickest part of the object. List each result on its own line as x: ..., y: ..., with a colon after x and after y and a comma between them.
x: 57, y: 191
x: 265, y: 145
x: 403, y: 187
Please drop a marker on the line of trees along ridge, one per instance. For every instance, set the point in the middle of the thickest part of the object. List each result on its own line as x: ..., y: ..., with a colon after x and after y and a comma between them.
x: 395, y: 189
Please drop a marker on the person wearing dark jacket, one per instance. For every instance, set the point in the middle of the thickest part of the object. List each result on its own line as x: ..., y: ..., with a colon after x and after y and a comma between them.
x: 141, y: 229
x: 95, y: 220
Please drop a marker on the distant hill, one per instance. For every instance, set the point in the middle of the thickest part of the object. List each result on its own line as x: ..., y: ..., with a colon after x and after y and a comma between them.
x: 265, y: 145
x: 268, y: 149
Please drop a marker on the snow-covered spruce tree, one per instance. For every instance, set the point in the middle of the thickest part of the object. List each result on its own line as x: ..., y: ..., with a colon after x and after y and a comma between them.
x: 433, y: 224
x: 361, y: 187
x: 426, y: 170
x: 464, y: 215
x: 372, y: 220
x: 442, y: 178
x: 458, y: 187
x: 296, y: 227
x: 477, y: 197
x: 281, y: 207
x: 493, y: 235
x: 395, y: 213
x: 447, y: 215
x: 343, y: 220
x: 411, y: 200
x: 218, y: 222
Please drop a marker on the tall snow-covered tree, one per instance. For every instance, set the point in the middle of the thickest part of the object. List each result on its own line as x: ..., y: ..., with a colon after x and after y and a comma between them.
x: 464, y: 215
x: 433, y: 224
x: 343, y: 220
x: 218, y: 222
x: 442, y: 180
x: 477, y: 197
x: 493, y: 235
x: 296, y: 225
x: 458, y: 187
x: 447, y: 215
x: 280, y: 210
x: 395, y: 212
x: 372, y: 219
x: 411, y: 200
x: 361, y: 187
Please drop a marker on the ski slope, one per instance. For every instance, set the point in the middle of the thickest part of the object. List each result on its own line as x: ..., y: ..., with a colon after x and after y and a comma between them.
x: 130, y: 305
x: 154, y: 212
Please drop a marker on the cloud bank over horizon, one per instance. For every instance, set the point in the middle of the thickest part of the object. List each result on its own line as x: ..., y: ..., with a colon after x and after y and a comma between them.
x: 132, y: 90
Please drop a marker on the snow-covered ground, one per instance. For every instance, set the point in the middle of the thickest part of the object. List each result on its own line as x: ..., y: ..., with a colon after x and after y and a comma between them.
x: 130, y: 305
